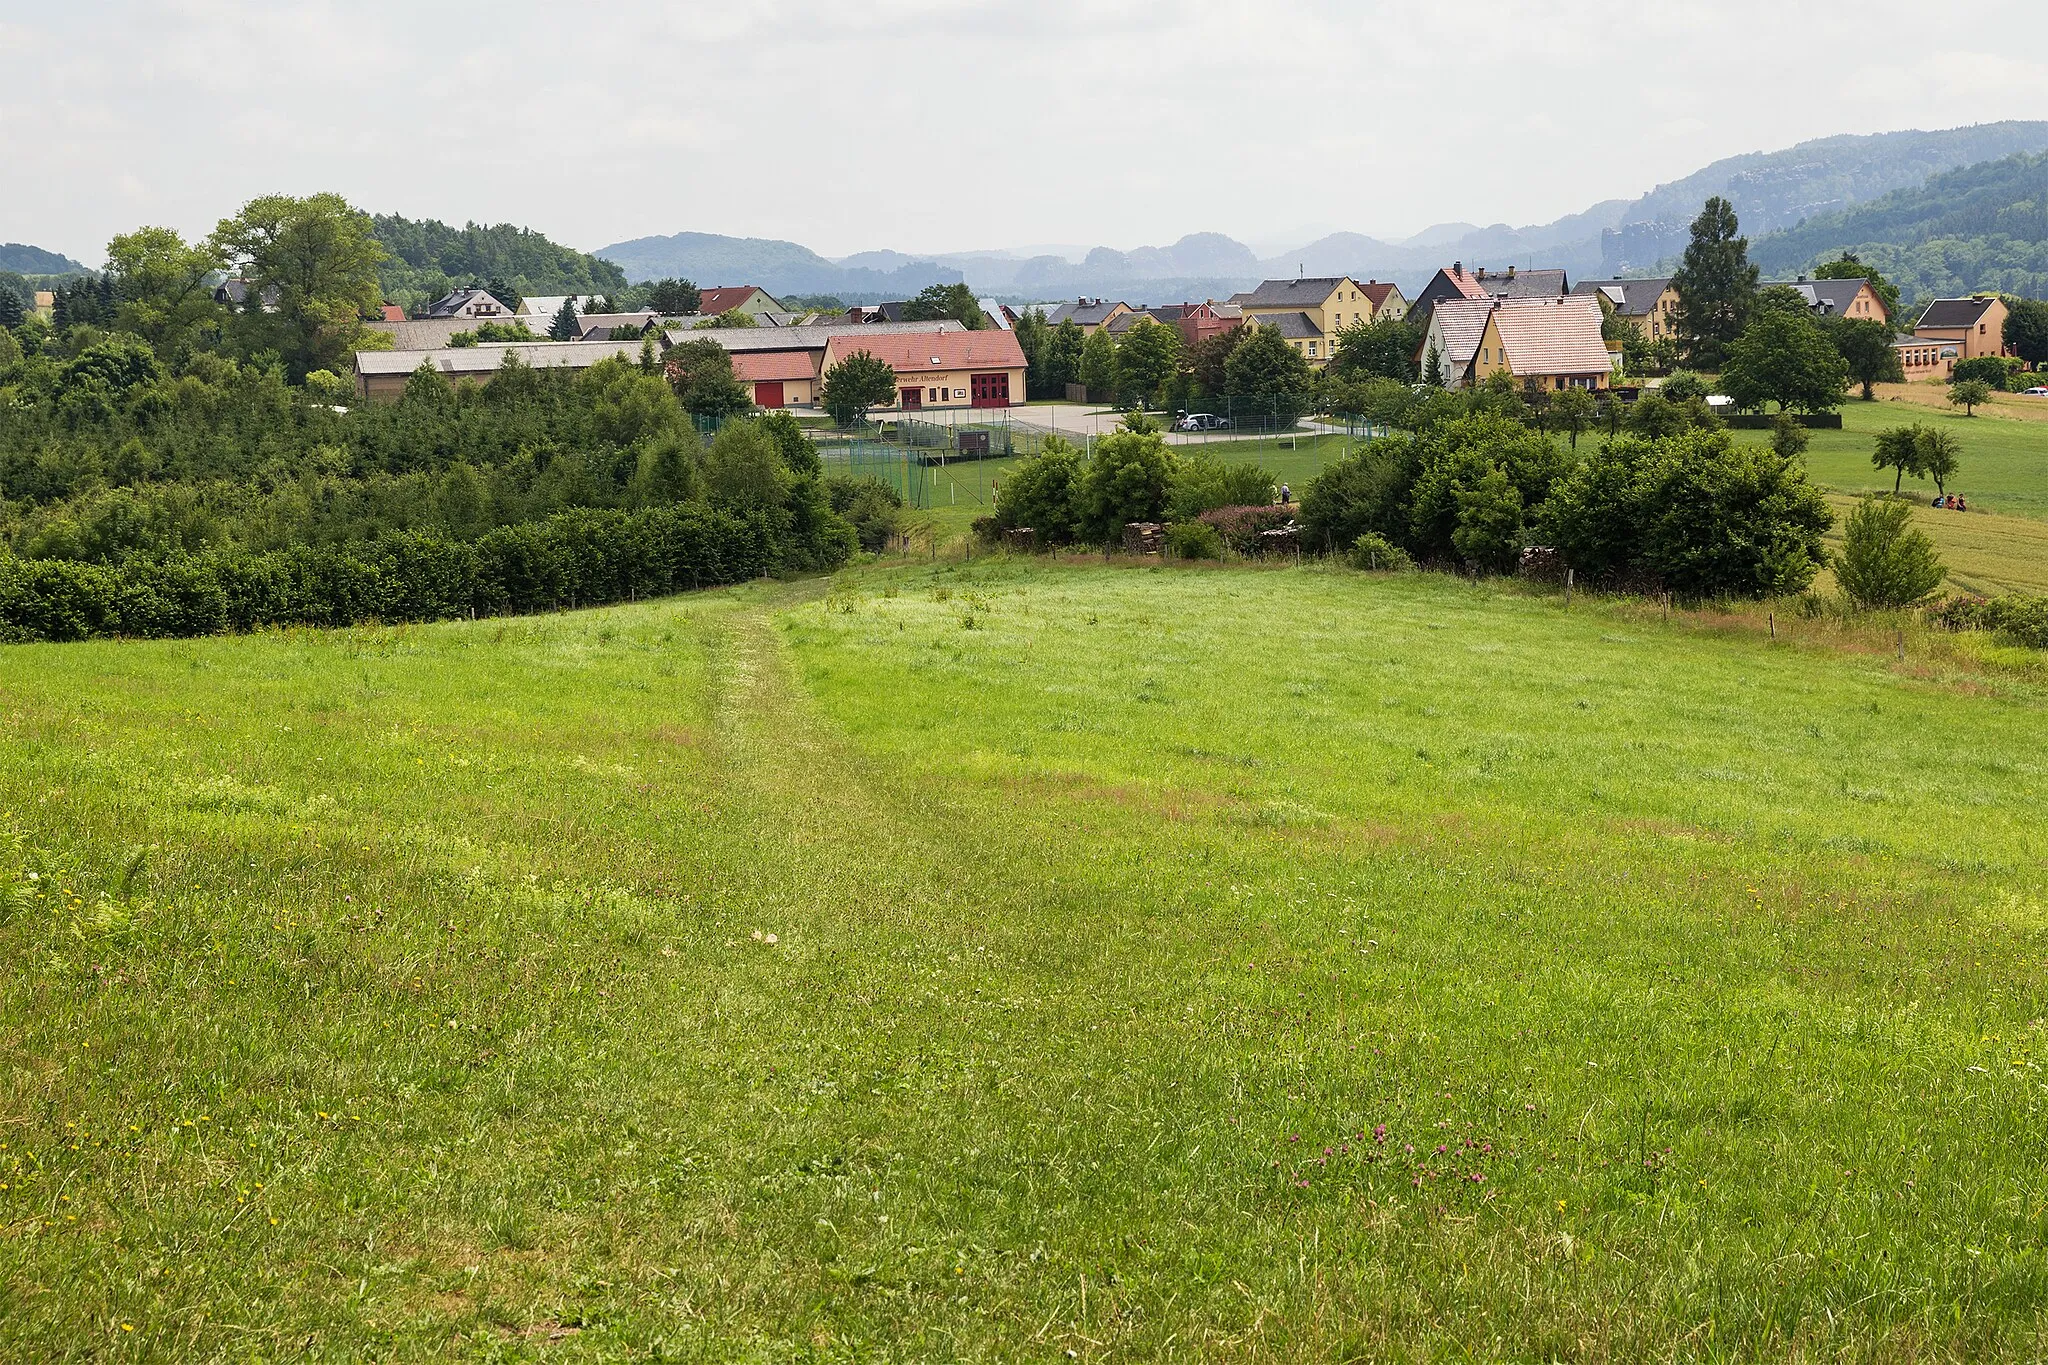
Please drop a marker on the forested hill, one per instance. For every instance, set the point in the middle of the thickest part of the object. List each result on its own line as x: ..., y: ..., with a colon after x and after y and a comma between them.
x: 429, y: 258
x: 33, y: 260
x: 1981, y: 227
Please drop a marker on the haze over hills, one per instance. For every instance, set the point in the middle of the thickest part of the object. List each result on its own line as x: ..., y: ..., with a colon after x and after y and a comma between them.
x: 1770, y: 190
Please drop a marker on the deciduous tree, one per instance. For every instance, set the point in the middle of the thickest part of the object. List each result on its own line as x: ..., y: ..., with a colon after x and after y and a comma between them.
x: 1784, y: 357
x: 2026, y: 330
x: 315, y: 261
x: 1147, y: 356
x: 856, y: 384
x: 1866, y: 348
x: 1969, y: 395
x: 1885, y: 560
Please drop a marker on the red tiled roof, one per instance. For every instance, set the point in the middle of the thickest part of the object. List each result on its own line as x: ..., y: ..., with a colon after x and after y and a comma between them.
x: 1377, y: 293
x: 1552, y: 336
x: 924, y: 352
x: 1464, y: 282
x: 751, y: 367
x: 724, y: 300
x: 393, y: 313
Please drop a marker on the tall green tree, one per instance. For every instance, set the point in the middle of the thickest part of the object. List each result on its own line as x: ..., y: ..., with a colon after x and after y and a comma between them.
x: 702, y: 373
x: 1866, y: 348
x: 937, y: 302
x: 1062, y: 362
x: 1384, y: 347
x: 1032, y: 338
x: 2026, y: 330
x: 1433, y: 368
x: 1098, y: 364
x: 1849, y: 268
x: 1898, y: 450
x: 1209, y: 361
x: 315, y: 261
x: 1784, y: 357
x: 1146, y: 358
x: 166, y: 289
x: 674, y: 298
x: 566, y: 325
x: 11, y: 307
x: 856, y: 384
x: 1941, y: 454
x: 1716, y: 285
x: 1267, y: 372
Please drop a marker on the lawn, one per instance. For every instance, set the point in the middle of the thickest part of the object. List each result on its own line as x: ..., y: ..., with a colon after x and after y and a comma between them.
x: 1025, y: 961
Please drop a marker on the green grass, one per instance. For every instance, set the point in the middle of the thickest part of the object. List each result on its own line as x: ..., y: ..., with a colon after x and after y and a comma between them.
x: 1113, y: 911
x: 2004, y: 459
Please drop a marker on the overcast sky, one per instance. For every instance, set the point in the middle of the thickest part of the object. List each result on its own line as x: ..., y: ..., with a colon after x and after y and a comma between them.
x: 934, y: 125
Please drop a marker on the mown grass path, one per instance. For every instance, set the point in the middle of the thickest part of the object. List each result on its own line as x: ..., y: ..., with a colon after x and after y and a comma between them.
x: 1008, y: 961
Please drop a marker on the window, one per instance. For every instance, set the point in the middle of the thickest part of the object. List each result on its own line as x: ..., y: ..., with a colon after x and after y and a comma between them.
x: 1311, y: 348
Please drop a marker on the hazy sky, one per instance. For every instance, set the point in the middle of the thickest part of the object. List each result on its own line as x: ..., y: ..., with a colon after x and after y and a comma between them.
x: 931, y: 125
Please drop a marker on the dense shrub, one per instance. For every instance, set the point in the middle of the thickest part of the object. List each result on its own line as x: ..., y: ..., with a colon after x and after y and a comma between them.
x: 1704, y: 517
x: 1126, y: 480
x: 1885, y: 561
x: 1240, y: 528
x: 1200, y: 485
x: 1193, y: 540
x: 1374, y: 552
x: 1994, y: 370
x: 574, y: 559
x: 1039, y: 493
x: 871, y: 507
x: 2022, y: 617
x: 1367, y: 492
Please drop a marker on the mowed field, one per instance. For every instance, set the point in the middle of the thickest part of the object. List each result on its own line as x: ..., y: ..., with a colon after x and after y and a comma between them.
x: 1026, y: 961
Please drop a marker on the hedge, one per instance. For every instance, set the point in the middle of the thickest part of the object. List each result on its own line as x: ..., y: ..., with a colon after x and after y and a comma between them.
x: 580, y: 558
x: 2020, y: 616
x: 1757, y: 421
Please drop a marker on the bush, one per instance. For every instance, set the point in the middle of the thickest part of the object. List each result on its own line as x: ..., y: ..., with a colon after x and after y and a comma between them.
x: 1683, y: 385
x: 1368, y: 493
x: 1241, y: 527
x: 1489, y: 529
x: 1374, y: 552
x: 1193, y: 540
x: 1126, y: 481
x: 1703, y: 516
x: 1039, y: 493
x: 2020, y: 617
x: 1885, y: 561
x: 1201, y: 485
x: 1991, y: 370
x: 581, y: 558
x: 871, y: 507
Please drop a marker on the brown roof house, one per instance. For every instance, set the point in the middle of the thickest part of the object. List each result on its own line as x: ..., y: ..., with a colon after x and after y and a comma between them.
x: 1480, y: 283
x: 1310, y: 312
x: 940, y: 369
x: 1547, y: 343
x: 1650, y: 306
x: 1976, y: 325
x: 1836, y: 298
x: 1089, y: 314
x: 476, y: 305
x: 740, y: 298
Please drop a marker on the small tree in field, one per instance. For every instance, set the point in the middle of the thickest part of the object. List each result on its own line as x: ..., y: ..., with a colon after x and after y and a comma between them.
x: 1788, y: 438
x: 1969, y: 395
x: 855, y: 384
x: 1940, y: 456
x: 1571, y: 412
x: 1899, y: 451
x: 1885, y: 561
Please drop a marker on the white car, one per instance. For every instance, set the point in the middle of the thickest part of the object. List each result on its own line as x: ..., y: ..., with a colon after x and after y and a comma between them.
x: 2037, y: 392
x: 1202, y: 421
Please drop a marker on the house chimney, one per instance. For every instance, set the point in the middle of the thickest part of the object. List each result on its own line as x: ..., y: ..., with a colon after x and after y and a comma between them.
x: 1511, y: 272
x: 1802, y: 279
x: 1458, y: 269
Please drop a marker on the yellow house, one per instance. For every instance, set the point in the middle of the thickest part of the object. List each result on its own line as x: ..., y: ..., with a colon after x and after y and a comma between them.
x: 1650, y: 306
x: 1546, y: 343
x: 1310, y: 313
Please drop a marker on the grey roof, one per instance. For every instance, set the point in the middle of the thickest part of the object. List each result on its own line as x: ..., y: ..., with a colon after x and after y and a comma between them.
x: 799, y: 338
x: 1293, y: 326
x: 1631, y: 298
x: 1830, y: 298
x: 1290, y: 293
x: 1954, y: 312
x: 602, y: 323
x: 473, y: 360
x: 447, y: 305
x: 1086, y: 312
x: 431, y: 334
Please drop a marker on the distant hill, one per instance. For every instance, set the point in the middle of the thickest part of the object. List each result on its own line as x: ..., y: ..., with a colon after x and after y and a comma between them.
x: 17, y: 259
x: 777, y: 266
x: 1981, y: 227
x: 429, y: 258
x: 1771, y: 191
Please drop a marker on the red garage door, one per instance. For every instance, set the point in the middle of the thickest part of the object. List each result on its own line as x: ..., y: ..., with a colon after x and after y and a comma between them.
x: 768, y: 393
x: 992, y: 390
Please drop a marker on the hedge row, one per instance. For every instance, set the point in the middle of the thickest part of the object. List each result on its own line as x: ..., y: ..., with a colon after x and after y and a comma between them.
x: 2021, y: 616
x: 580, y: 558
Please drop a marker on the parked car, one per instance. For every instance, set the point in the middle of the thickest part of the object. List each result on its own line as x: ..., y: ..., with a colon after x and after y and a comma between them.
x: 1202, y: 421
x: 2037, y: 392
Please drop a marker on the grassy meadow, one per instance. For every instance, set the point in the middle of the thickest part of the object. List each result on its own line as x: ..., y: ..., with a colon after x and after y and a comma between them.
x: 1027, y: 961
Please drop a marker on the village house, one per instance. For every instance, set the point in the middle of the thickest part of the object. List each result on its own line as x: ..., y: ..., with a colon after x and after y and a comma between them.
x: 1836, y: 298
x: 1924, y: 358
x: 1309, y: 312
x: 1545, y: 343
x: 783, y: 366
x: 1456, y: 282
x: 982, y: 369
x: 476, y: 305
x: 1975, y: 326
x: 1649, y: 306
x: 1088, y: 314
x: 758, y: 304
x: 381, y: 375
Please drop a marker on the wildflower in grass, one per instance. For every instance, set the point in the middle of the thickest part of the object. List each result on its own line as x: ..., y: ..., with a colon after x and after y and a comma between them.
x: 1379, y: 1133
